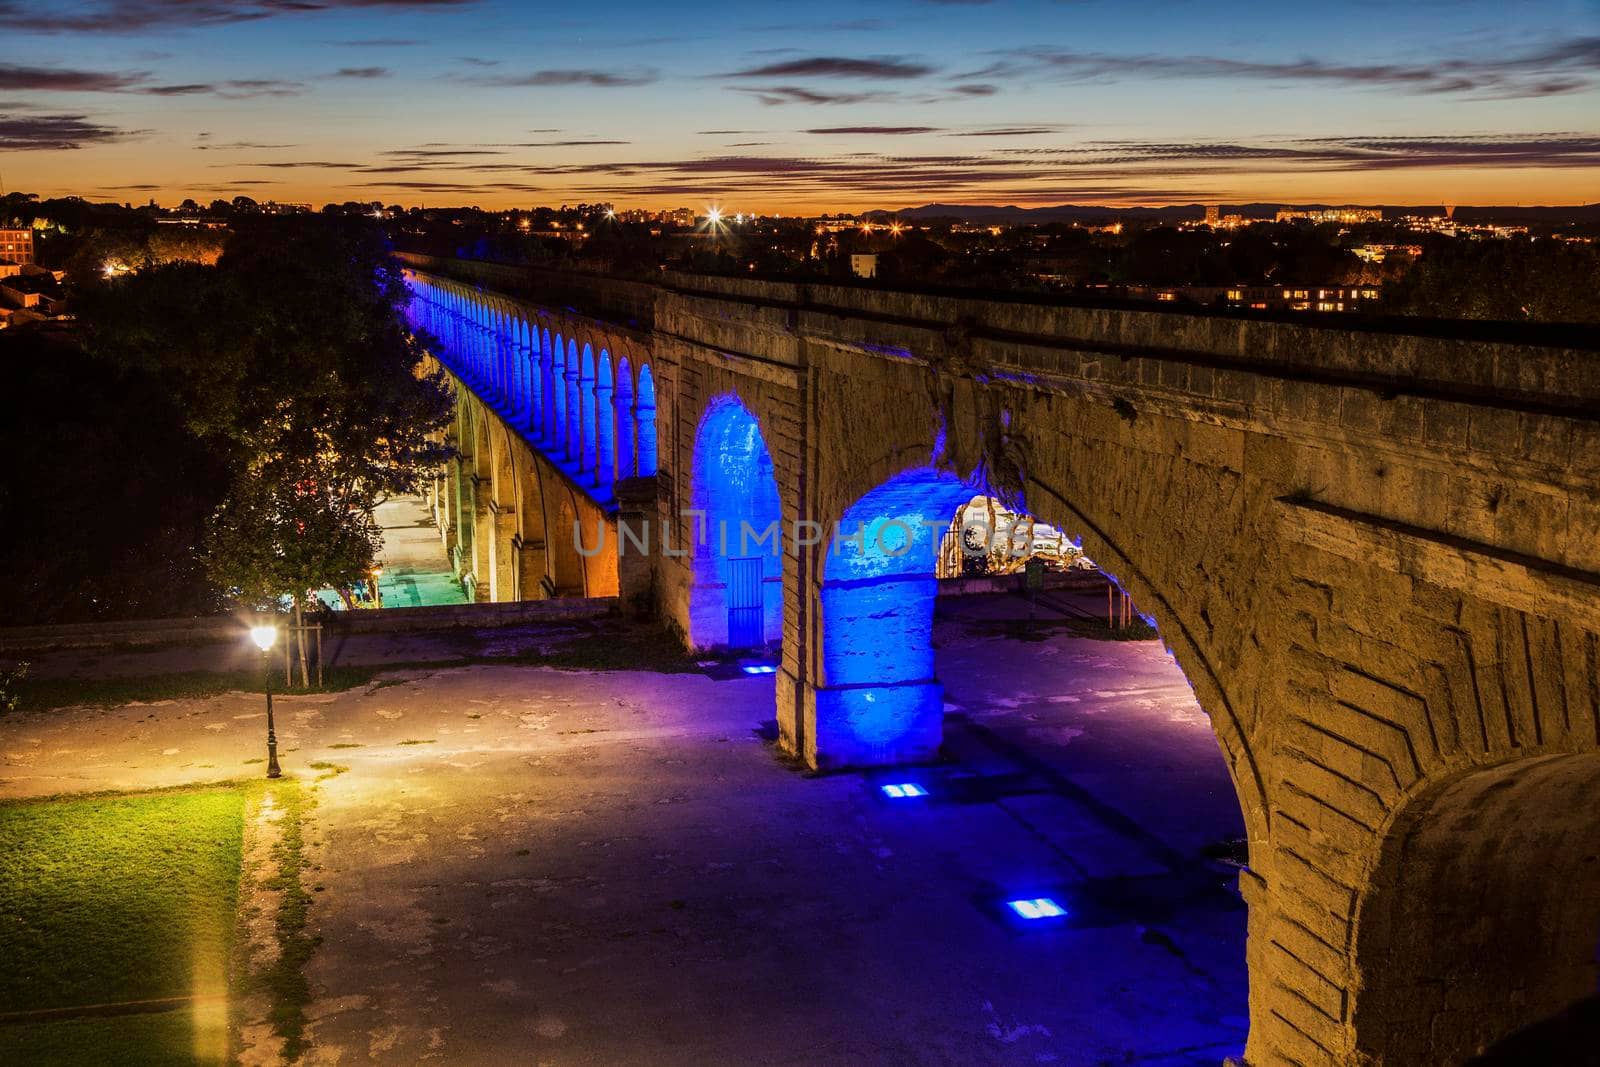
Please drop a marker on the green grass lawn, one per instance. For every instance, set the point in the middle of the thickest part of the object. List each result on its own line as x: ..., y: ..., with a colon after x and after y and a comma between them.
x: 115, y: 898
x: 157, y: 1040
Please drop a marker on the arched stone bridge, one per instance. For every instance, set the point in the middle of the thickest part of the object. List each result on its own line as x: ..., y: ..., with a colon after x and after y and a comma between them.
x: 1375, y: 553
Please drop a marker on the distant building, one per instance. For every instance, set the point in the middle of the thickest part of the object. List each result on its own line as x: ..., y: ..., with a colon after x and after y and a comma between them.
x: 864, y: 265
x: 1377, y: 253
x: 32, y: 291
x: 1331, y: 214
x: 16, y: 247
x: 1213, y: 213
x: 1262, y: 297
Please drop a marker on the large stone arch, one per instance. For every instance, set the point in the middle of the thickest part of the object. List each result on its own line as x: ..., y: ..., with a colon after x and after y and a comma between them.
x: 481, y: 518
x: 677, y: 405
x: 464, y: 480
x: 503, y: 562
x: 736, y: 532
x: 1481, y: 918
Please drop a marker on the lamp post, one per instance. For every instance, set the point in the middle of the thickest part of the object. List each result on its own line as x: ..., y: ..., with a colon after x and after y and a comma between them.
x: 264, y: 635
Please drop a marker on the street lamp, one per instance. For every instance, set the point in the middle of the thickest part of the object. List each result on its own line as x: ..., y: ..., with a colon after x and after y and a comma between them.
x: 264, y: 635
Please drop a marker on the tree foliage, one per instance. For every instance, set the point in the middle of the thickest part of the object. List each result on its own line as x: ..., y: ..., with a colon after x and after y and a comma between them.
x: 106, y: 494
x: 1507, y: 280
x: 291, y: 362
x: 274, y: 535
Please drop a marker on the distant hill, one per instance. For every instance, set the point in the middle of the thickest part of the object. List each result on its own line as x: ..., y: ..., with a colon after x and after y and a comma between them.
x: 1010, y: 213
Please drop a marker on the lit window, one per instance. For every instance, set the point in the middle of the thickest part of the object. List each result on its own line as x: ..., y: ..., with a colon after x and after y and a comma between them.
x: 1037, y: 908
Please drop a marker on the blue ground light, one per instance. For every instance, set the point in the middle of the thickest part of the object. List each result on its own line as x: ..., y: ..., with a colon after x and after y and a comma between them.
x: 1036, y: 908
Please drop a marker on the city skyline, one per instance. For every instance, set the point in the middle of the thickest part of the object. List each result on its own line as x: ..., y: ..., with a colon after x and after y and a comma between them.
x: 842, y: 108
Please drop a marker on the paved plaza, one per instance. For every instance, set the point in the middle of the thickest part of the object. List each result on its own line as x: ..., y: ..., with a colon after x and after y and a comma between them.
x: 524, y: 865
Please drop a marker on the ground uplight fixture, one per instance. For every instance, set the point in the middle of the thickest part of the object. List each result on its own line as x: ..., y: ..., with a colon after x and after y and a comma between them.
x: 760, y: 668
x: 1032, y: 908
x: 903, y: 790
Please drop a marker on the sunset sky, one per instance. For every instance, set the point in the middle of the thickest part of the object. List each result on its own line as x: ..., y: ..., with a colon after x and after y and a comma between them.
x: 803, y: 106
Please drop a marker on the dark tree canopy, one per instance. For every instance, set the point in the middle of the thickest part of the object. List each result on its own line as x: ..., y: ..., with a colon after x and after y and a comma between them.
x: 1507, y: 280
x: 106, y: 498
x: 282, y: 381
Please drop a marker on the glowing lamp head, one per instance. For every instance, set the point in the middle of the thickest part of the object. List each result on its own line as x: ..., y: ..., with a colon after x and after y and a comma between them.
x: 264, y: 635
x: 713, y: 215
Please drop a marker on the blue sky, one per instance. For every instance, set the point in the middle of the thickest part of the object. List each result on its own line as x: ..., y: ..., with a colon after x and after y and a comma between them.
x: 790, y: 107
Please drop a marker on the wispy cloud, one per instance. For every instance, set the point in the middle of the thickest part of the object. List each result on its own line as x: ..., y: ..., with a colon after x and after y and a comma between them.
x: 1006, y: 131
x: 887, y: 131
x: 362, y: 72
x: 603, y: 79
x: 380, y: 42
x: 56, y: 80
x: 1105, y: 171
x: 777, y: 95
x: 143, y: 16
x: 60, y: 80
x: 23, y: 133
x: 1560, y: 67
x: 875, y: 67
x: 238, y: 146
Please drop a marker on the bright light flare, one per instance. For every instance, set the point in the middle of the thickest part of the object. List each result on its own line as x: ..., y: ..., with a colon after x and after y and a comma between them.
x: 713, y: 215
x: 903, y: 790
x: 264, y: 635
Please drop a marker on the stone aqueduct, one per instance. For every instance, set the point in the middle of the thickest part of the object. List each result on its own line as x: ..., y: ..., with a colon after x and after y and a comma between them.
x: 1374, y: 553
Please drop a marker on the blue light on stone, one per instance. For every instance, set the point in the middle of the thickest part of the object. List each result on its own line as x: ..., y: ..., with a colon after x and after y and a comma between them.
x: 735, y: 492
x: 903, y: 790
x: 882, y: 703
x: 1037, y: 908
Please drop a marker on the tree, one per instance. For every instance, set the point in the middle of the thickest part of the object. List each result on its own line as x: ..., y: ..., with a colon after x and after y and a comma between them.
x: 1509, y: 280
x: 291, y: 360
x: 290, y: 531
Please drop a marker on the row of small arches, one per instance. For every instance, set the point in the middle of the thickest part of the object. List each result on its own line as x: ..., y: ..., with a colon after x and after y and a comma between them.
x: 596, y: 418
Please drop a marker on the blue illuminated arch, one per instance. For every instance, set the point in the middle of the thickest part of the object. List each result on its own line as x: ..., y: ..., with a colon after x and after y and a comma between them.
x: 558, y: 393
x: 587, y: 427
x: 573, y: 438
x: 605, y: 460
x: 735, y: 488
x: 644, y: 406
x: 623, y: 401
x: 547, y: 379
x: 881, y: 701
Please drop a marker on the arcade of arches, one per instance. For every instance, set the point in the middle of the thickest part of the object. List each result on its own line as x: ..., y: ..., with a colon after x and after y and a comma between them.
x: 1375, y: 555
